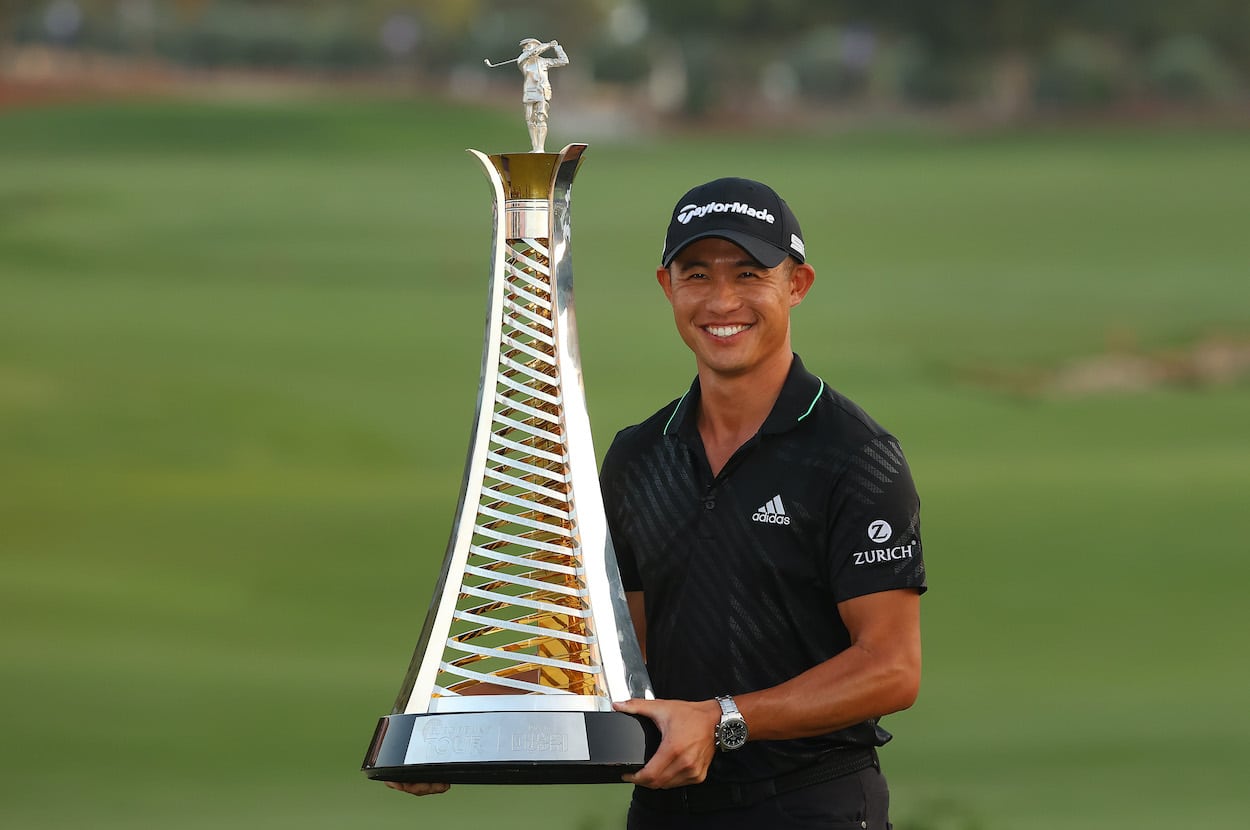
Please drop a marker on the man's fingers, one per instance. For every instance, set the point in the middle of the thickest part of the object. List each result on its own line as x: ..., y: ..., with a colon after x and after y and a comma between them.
x: 639, y: 706
x: 651, y: 773
x: 419, y: 787
x: 674, y: 764
x: 668, y: 769
x: 627, y: 706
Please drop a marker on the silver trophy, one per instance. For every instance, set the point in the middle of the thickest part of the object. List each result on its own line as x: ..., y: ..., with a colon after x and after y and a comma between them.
x: 528, y: 639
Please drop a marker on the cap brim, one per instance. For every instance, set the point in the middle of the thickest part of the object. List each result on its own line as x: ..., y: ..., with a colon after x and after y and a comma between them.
x: 770, y: 256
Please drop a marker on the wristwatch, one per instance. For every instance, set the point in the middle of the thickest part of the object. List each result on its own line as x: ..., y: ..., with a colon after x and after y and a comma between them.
x: 731, y: 732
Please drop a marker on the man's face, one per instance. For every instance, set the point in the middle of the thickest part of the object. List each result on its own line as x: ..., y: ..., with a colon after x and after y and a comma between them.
x: 731, y: 311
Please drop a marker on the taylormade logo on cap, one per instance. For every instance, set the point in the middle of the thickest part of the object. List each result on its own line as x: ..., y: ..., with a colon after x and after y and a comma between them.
x: 688, y: 212
x: 748, y: 213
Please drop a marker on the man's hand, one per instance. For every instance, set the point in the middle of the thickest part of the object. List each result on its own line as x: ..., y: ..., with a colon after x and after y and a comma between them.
x: 418, y: 787
x: 687, y: 744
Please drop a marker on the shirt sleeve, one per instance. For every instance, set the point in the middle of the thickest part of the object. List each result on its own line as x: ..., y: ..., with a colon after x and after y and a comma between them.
x: 610, y: 483
x: 874, y: 529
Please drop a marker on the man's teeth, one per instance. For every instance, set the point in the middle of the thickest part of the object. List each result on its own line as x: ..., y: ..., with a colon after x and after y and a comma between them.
x: 726, y: 331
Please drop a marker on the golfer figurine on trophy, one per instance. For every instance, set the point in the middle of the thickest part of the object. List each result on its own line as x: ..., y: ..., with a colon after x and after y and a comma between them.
x: 528, y: 639
x: 537, y: 93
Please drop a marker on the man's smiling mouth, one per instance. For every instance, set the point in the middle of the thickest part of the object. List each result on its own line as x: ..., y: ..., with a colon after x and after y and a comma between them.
x: 725, y: 331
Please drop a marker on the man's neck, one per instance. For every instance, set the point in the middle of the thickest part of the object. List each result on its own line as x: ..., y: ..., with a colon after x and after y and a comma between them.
x: 733, y: 408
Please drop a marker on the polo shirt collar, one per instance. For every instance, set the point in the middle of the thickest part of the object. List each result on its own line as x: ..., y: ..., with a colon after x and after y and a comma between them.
x: 798, y: 398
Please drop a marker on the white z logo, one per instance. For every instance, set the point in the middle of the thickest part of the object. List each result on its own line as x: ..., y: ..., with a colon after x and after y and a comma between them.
x: 880, y: 531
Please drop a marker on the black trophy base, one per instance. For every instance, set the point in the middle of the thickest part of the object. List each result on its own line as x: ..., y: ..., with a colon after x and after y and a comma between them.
x: 508, y: 747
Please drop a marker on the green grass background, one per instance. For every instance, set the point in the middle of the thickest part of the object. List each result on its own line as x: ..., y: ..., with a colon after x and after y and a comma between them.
x: 239, y: 346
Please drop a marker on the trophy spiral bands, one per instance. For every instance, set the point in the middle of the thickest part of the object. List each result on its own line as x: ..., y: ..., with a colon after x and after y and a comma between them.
x: 528, y: 640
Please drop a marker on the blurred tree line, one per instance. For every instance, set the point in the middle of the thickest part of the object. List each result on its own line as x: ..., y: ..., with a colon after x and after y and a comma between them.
x: 707, y: 56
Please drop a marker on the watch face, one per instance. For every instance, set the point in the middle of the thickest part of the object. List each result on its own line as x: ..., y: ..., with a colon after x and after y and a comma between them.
x: 732, y: 734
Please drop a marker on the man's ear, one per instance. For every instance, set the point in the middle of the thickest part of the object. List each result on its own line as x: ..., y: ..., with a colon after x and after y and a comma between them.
x: 801, y: 278
x: 665, y: 279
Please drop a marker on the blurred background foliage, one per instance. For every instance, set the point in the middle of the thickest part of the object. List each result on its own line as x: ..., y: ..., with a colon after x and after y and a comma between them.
x: 1004, y: 58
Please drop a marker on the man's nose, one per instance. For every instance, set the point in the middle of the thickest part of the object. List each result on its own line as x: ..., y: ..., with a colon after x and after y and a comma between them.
x: 724, y: 296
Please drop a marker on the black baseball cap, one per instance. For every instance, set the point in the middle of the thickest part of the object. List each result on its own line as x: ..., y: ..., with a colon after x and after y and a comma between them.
x: 748, y: 213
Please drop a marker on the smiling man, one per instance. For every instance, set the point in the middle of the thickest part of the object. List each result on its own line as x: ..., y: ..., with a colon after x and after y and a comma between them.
x: 768, y: 534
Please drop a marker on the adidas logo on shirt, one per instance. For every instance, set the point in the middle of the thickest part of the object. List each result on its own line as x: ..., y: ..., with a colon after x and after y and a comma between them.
x: 772, y: 513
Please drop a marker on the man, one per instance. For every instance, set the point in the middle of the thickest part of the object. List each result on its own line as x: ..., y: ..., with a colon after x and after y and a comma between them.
x: 768, y: 536
x: 536, y: 96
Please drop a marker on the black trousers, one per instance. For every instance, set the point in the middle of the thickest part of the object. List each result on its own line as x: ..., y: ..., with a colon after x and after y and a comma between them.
x: 859, y: 801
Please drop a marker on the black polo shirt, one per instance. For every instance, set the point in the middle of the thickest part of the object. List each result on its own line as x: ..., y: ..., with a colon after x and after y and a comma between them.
x: 743, y: 571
